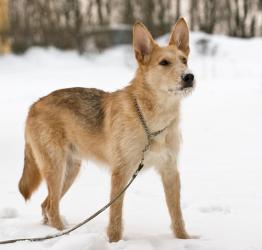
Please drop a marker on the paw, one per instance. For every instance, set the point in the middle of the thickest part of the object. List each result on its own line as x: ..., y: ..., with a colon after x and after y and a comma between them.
x: 114, y: 235
x: 58, y: 224
x: 185, y: 235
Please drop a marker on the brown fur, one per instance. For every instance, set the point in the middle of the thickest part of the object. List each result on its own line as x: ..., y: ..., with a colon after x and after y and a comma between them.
x: 31, y: 177
x: 78, y: 123
x: 5, y: 45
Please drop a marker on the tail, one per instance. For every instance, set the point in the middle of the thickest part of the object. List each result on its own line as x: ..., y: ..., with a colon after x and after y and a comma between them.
x: 31, y: 177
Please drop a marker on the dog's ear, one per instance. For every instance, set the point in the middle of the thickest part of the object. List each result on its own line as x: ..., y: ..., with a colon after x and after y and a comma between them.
x: 180, y: 35
x: 143, y: 43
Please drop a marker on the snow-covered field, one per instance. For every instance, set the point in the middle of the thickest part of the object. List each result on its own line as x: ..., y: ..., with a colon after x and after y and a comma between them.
x: 220, y: 163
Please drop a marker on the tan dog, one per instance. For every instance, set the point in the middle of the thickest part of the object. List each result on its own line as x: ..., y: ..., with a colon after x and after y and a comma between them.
x: 70, y: 125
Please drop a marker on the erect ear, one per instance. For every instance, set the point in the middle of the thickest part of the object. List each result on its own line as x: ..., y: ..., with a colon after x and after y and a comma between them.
x: 143, y: 43
x: 180, y: 35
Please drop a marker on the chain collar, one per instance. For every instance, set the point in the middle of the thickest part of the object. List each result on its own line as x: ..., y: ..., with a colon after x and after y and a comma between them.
x: 150, y: 135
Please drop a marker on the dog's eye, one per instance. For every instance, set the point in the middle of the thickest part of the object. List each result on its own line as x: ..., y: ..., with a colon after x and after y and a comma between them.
x: 164, y: 62
x: 184, y: 60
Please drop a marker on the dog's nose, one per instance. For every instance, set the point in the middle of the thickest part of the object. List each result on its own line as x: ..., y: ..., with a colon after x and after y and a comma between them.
x: 188, y: 80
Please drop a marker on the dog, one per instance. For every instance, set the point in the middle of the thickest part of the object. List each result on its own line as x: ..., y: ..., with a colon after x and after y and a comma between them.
x: 73, y: 124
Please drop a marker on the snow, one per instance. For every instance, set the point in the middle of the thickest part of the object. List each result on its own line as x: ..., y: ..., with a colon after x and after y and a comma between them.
x: 220, y: 162
x: 8, y: 212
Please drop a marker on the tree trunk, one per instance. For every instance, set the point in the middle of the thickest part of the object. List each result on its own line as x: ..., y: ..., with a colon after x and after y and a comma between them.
x: 192, y: 12
x: 178, y: 9
x: 5, y: 46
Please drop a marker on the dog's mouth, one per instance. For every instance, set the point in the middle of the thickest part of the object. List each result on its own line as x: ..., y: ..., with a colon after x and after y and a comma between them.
x: 181, y: 90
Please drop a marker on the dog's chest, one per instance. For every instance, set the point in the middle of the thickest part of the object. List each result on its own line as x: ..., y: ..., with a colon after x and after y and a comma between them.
x: 162, y: 149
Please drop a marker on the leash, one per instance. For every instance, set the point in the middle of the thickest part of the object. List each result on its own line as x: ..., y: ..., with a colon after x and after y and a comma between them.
x: 150, y: 136
x: 66, y: 232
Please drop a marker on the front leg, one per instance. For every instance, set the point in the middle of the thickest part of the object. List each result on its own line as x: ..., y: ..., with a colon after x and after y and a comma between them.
x: 115, y: 227
x: 171, y: 182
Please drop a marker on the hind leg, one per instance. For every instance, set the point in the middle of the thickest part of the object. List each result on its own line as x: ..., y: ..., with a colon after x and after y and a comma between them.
x: 53, y: 172
x: 54, y: 184
x: 44, y: 206
x: 72, y: 170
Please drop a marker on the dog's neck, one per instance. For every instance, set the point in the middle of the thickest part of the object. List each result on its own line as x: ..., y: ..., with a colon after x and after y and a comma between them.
x: 159, y: 112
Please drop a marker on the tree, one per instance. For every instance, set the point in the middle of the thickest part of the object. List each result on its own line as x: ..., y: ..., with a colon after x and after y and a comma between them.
x: 5, y: 46
x: 193, y: 14
x: 178, y: 9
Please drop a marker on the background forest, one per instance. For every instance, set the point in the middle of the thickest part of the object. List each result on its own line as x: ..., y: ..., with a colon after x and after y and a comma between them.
x: 87, y: 25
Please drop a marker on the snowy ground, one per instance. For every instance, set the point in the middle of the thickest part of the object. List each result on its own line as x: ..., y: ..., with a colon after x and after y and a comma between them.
x: 220, y: 162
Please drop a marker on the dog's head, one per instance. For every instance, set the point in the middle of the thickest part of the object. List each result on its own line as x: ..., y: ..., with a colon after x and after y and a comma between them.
x: 164, y: 69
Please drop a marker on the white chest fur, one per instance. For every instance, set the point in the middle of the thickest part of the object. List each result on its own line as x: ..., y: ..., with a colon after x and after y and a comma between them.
x: 164, y: 149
